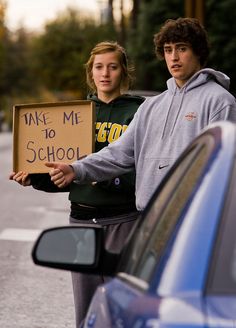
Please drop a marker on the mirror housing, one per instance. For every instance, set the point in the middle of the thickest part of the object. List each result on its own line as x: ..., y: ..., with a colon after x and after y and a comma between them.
x: 75, y: 248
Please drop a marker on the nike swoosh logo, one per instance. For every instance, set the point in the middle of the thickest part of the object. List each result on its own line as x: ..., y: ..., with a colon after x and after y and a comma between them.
x: 162, y: 166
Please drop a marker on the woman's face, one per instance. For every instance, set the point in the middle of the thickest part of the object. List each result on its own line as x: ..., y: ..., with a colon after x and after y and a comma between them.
x: 107, y: 75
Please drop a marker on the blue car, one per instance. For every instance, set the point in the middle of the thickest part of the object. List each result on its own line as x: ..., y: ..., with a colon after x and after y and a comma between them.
x: 178, y: 267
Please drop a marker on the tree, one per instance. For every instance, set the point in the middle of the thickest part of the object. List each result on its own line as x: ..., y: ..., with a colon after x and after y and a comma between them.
x: 3, y: 40
x: 151, y: 74
x: 135, y: 14
x: 221, y: 25
x: 63, y: 49
x: 110, y: 12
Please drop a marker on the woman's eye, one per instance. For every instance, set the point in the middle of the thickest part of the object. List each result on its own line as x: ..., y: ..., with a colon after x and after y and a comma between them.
x: 113, y: 67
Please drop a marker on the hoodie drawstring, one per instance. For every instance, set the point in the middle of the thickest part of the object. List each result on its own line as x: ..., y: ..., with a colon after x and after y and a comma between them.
x: 179, y: 109
x: 182, y: 92
x: 167, y: 116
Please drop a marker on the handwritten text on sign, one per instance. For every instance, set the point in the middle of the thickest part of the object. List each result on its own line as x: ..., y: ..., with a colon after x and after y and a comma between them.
x: 54, y: 133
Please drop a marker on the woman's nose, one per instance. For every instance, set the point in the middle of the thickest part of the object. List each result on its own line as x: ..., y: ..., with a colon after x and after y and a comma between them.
x: 105, y: 71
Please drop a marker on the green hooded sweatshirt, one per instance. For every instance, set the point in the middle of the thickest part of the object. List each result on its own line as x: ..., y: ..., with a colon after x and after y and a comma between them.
x: 112, y: 120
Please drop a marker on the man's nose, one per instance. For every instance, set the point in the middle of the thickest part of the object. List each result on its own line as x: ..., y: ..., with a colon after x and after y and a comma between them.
x: 175, y: 54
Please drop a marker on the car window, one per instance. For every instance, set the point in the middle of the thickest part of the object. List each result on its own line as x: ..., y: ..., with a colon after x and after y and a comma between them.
x: 165, y: 210
x: 222, y: 277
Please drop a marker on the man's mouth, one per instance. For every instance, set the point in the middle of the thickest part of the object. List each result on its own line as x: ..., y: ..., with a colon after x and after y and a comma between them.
x: 175, y: 66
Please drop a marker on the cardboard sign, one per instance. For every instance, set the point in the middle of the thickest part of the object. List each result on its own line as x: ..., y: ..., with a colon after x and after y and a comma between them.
x: 51, y: 132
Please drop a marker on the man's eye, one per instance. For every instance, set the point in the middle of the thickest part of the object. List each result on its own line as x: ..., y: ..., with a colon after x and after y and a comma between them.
x: 167, y: 51
x: 182, y: 49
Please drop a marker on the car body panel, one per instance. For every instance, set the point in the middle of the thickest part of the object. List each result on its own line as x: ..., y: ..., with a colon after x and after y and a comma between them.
x: 221, y: 311
x: 175, y: 296
x: 132, y: 308
x: 197, y: 230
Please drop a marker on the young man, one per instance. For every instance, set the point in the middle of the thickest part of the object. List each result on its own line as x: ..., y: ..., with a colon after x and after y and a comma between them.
x: 165, y: 124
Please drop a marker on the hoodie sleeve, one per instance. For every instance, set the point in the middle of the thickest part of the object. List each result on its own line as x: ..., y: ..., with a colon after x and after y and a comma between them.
x: 225, y: 113
x: 42, y: 181
x: 111, y: 161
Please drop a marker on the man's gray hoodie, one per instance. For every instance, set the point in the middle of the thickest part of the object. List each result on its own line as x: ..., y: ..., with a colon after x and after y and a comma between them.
x: 161, y: 129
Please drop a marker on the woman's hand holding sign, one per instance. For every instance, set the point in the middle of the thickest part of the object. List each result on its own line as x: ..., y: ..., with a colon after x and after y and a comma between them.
x: 21, y: 177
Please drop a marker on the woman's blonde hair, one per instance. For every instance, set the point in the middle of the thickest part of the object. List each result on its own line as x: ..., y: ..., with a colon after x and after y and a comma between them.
x: 104, y: 47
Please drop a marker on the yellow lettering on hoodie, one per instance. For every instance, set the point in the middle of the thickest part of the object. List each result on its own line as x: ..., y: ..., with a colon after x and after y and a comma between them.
x: 109, y: 131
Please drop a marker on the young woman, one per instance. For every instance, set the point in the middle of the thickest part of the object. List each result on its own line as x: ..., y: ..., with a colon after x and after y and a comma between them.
x: 109, y: 203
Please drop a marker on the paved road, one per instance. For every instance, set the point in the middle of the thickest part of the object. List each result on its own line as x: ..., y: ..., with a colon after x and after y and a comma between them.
x: 30, y: 296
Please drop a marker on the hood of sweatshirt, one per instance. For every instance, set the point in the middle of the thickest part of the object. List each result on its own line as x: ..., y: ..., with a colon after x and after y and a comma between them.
x: 178, y: 94
x: 119, y: 100
x: 113, y: 118
x: 199, y: 78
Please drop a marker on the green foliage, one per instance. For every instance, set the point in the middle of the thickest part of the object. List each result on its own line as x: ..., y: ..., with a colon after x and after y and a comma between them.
x: 221, y: 26
x: 62, y: 51
x: 151, y: 74
x: 18, y: 76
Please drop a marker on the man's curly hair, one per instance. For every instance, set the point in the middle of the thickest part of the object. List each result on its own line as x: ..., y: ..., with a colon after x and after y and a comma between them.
x: 187, y: 30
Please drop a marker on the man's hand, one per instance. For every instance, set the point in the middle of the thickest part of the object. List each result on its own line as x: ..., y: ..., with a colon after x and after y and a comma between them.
x: 21, y: 177
x: 61, y: 174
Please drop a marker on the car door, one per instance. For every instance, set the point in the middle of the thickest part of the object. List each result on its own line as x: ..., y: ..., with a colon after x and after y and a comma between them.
x: 164, y: 267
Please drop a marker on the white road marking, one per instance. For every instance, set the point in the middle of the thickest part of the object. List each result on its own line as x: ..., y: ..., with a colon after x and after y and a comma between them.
x: 19, y: 234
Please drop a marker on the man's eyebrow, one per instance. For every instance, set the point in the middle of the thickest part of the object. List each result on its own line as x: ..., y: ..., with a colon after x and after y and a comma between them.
x: 176, y: 44
x: 182, y: 44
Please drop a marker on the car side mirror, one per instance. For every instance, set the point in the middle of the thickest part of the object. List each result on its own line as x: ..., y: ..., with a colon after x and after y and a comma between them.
x: 74, y: 248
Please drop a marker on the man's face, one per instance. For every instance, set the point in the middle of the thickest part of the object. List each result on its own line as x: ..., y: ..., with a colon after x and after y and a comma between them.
x: 181, y: 61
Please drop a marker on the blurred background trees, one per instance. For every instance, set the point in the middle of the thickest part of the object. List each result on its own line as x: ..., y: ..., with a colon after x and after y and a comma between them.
x: 49, y: 65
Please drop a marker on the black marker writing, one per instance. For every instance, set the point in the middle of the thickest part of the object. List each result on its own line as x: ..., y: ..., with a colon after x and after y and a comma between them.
x: 73, y: 118
x: 36, y: 118
x: 50, y: 153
